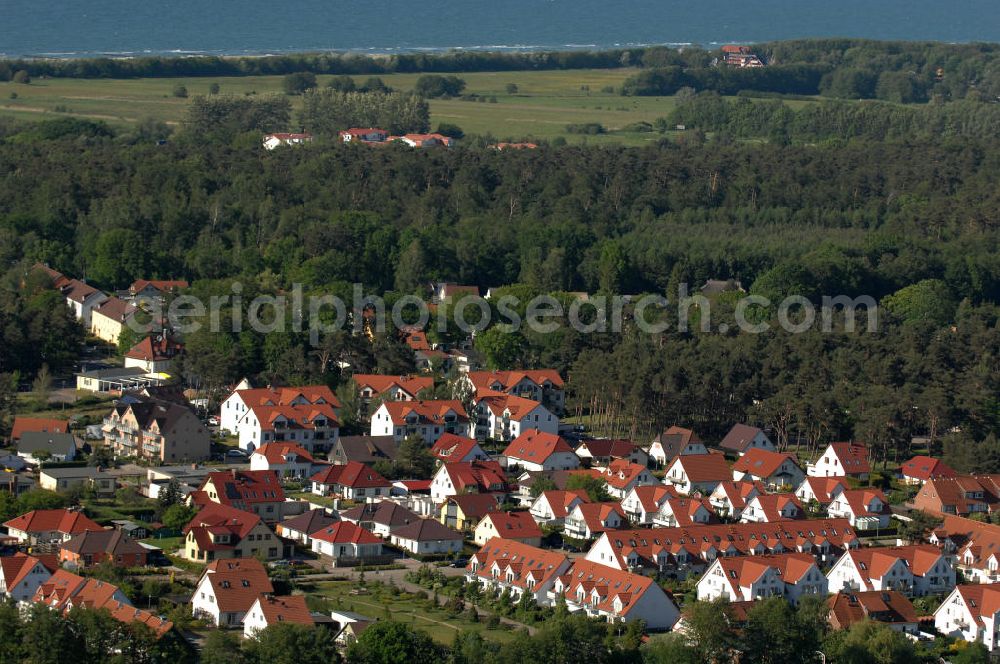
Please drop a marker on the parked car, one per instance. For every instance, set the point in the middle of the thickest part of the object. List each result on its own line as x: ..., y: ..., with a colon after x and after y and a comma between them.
x: 236, y: 454
x: 213, y: 421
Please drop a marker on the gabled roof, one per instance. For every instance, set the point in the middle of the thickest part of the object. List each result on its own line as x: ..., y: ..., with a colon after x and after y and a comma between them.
x: 247, y: 486
x: 676, y: 436
x: 507, y: 380
x: 886, y: 606
x: 368, y: 449
x: 25, y: 424
x: 63, y: 521
x: 561, y: 502
x: 285, y: 396
x: 16, y: 568
x: 596, y: 515
x: 824, y: 487
x: 475, y: 505
x: 853, y: 457
x: 411, y: 384
x: 155, y: 349
x: 859, y: 499
x: 620, y: 473
x: 925, y: 468
x: 285, y: 609
x: 427, y: 530
x: 345, y: 532
x: 54, y: 443
x: 480, y: 476
x: 762, y: 463
x: 309, y: 522
x: 352, y: 474
x: 116, y: 309
x: 704, y: 467
x: 450, y: 446
x: 685, y: 509
x: 615, y: 449
x: 980, y: 599
x: 384, y: 513
x: 501, y: 404
x: 522, y: 559
x: 426, y: 412
x: 652, y: 496
x: 740, y: 437
x: 78, y: 291
x: 740, y: 492
x: 279, y: 453
x: 742, y: 571
x: 772, y: 504
x: 162, y: 285
x: 536, y: 446
x: 237, y: 582
x: 214, y: 515
x: 874, y: 563
x: 610, y: 583
x: 514, y: 525
x: 110, y: 542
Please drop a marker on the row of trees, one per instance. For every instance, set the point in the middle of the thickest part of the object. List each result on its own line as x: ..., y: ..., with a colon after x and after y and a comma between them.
x: 327, y: 111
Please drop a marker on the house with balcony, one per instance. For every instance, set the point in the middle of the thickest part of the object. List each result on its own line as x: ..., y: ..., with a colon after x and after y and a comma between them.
x: 742, y: 438
x: 689, y: 473
x: 288, y: 460
x: 392, y: 388
x: 428, y: 420
x: 157, y: 431
x: 457, y: 478
x: 774, y: 469
x: 306, y: 415
x: 642, y: 503
x: 227, y: 589
x: 552, y: 507
x: 621, y: 476
x: 540, y: 451
x: 21, y: 575
x: 615, y: 595
x: 220, y: 532
x: 255, y: 491
x: 684, y: 511
x: 964, y: 495
x: 866, y: 509
x: 820, y: 489
x: 544, y: 386
x: 748, y: 578
x: 353, y: 481
x: 672, y: 442
x: 49, y: 528
x: 588, y: 520
x: 730, y: 498
x: 450, y: 447
x: 972, y: 613
x: 915, y: 570
x: 771, y: 507
x: 841, y: 460
x: 502, y: 416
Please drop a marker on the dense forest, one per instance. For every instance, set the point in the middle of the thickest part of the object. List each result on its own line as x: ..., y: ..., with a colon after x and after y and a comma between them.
x: 837, y: 199
x: 842, y: 68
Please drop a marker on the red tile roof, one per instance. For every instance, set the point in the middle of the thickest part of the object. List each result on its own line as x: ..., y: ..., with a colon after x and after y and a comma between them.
x: 561, y: 502
x: 63, y: 521
x: 741, y: 571
x: 980, y: 599
x: 285, y: 396
x: 853, y: 457
x: 596, y: 515
x: 886, y: 606
x: 16, y: 568
x: 536, y: 446
x: 704, y: 467
x: 285, y: 609
x: 874, y: 563
x: 859, y: 501
x: 247, y: 486
x: 279, y: 453
x: 739, y: 437
x: 615, y: 449
x: 772, y: 505
x: 514, y: 525
x: 479, y: 476
x: 507, y: 380
x: 761, y: 463
x: 40, y: 424
x: 427, y: 530
x: 161, y: 285
x: 740, y: 492
x: 522, y: 559
x: 925, y: 468
x: 412, y: 384
x: 621, y: 473
x: 451, y: 446
x: 353, y: 474
x: 608, y: 583
x: 237, y: 582
x: 823, y: 487
x: 426, y: 412
x: 155, y: 349
x: 502, y: 404
x: 652, y: 496
x: 216, y: 518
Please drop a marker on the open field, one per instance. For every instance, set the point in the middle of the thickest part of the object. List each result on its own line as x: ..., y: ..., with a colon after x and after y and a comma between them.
x: 546, y: 101
x: 407, y: 609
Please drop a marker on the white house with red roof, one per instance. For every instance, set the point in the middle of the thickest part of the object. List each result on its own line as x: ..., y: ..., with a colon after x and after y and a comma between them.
x: 742, y: 438
x: 684, y: 512
x: 364, y: 135
x: 615, y: 595
x: 21, y: 575
x: 621, y: 476
x: 866, y: 509
x: 456, y: 478
x: 427, y: 419
x: 518, y: 526
x: 820, y: 489
x: 730, y: 498
x: 219, y: 531
x: 346, y: 540
x: 840, y: 460
x: 256, y: 491
x: 545, y: 386
x: 450, y: 447
x: 227, y: 589
x: 915, y: 570
x: 771, y: 507
x: 588, y: 520
x: 643, y: 502
x: 503, y: 416
x: 919, y: 469
x: 46, y: 527
x: 270, y: 610
x: 520, y: 568
x: 424, y: 140
x: 600, y: 452
x: 154, y: 354
x: 272, y: 141
x: 972, y: 613
x: 697, y: 472
x: 306, y: 415
x: 774, y: 469
x: 353, y: 481
x: 746, y: 578
x: 288, y: 460
x: 539, y: 450
x: 552, y: 507
x: 83, y: 298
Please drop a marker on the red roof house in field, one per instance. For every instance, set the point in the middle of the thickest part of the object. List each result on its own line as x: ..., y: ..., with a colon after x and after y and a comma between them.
x: 919, y: 469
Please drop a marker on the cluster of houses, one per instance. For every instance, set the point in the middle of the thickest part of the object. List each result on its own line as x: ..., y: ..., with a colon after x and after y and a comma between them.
x: 734, y: 55
x: 363, y: 136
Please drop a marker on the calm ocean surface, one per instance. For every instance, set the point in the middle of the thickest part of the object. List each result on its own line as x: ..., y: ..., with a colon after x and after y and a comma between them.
x: 126, y: 27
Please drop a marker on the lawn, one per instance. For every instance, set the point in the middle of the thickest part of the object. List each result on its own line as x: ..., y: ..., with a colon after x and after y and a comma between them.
x: 545, y: 101
x: 407, y: 609
x: 168, y: 544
